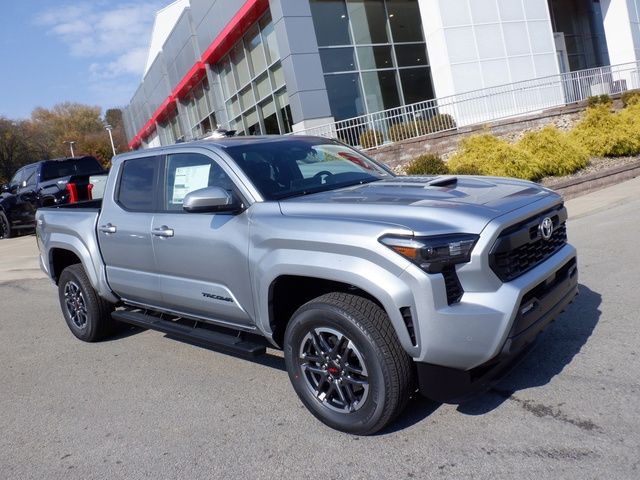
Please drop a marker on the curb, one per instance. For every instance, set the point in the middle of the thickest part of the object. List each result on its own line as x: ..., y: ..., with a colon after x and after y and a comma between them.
x: 576, y: 187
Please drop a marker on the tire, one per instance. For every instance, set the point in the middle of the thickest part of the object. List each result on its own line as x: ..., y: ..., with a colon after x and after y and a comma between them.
x: 368, y: 378
x: 88, y: 316
x: 5, y: 227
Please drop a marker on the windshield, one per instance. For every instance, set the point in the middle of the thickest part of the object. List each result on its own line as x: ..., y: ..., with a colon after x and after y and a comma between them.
x: 66, y: 168
x: 293, y: 167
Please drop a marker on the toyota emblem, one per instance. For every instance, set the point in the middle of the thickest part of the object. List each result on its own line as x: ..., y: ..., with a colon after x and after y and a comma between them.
x: 546, y: 228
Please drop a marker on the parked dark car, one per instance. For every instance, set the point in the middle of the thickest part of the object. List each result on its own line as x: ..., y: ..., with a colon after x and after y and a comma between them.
x: 43, y: 184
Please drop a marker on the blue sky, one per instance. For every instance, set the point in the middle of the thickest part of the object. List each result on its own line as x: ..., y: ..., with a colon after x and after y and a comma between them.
x: 91, y: 52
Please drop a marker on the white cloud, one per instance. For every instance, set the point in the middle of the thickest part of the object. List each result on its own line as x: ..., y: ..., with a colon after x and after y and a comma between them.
x: 114, y: 35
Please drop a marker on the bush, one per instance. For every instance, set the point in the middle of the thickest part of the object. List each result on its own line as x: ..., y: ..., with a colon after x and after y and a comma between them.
x: 555, y: 152
x: 437, y: 123
x: 630, y: 97
x: 606, y: 134
x: 440, y: 122
x: 427, y: 164
x: 371, y: 139
x: 487, y: 155
x: 599, y: 100
x: 402, y: 131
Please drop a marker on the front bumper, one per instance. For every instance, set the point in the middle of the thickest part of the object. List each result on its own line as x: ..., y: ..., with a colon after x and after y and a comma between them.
x: 538, y: 308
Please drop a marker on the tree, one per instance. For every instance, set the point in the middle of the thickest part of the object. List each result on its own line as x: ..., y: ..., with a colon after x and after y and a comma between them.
x: 17, y: 147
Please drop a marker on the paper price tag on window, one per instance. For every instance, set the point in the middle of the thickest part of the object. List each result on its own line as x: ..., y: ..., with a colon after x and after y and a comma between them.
x: 189, y: 179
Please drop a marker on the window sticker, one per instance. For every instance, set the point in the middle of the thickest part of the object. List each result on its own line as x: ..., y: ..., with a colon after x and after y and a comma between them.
x: 188, y: 179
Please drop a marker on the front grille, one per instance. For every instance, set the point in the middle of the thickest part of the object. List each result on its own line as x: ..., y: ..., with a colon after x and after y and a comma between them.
x: 521, y: 247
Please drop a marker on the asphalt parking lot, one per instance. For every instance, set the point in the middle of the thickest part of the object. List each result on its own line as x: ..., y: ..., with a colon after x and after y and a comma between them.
x: 145, y: 406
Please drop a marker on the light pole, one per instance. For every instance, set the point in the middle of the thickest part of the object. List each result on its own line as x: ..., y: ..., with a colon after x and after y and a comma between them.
x: 113, y: 147
x: 70, y: 147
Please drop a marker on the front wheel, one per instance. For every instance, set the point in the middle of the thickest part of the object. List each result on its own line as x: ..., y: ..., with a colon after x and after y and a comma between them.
x: 88, y: 316
x: 346, y: 363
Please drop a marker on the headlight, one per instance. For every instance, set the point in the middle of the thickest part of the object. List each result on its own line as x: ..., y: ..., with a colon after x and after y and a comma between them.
x: 433, y: 254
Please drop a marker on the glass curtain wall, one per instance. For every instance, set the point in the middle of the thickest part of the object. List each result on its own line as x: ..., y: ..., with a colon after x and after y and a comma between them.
x: 170, y: 131
x: 373, y: 54
x: 199, y: 110
x: 253, y: 85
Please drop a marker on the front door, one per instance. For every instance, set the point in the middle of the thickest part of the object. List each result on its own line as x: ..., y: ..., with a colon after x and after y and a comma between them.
x: 124, y: 232
x: 201, y: 257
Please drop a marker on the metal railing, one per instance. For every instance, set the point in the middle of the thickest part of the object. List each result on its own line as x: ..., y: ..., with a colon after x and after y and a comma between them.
x: 480, y: 106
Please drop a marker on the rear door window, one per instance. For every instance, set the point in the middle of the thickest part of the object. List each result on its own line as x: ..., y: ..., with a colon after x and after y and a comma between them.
x: 136, y: 191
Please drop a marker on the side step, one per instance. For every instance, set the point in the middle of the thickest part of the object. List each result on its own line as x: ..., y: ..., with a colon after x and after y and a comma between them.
x: 219, y: 341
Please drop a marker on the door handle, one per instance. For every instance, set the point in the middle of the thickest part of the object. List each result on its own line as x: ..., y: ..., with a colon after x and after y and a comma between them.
x: 108, y: 228
x: 163, y: 232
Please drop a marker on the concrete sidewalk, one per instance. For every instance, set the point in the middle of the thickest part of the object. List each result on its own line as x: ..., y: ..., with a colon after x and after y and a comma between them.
x: 19, y: 259
x: 19, y: 256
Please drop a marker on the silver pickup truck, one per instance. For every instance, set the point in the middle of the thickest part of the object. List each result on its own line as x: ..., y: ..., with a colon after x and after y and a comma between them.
x: 374, y: 285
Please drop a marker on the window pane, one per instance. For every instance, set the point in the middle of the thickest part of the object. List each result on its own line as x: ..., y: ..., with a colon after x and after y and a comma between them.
x: 252, y: 122
x: 337, y: 60
x: 233, y: 106
x: 253, y: 42
x: 246, y: 98
x: 330, y: 22
x: 187, y: 172
x: 136, y: 184
x: 369, y: 21
x: 263, y: 87
x: 411, y: 55
x: 270, y: 118
x: 405, y: 20
x: 381, y: 90
x: 241, y: 66
x: 226, y: 78
x: 278, y: 76
x: 416, y: 85
x: 345, y: 96
x: 282, y: 99
x: 270, y: 41
x: 371, y: 58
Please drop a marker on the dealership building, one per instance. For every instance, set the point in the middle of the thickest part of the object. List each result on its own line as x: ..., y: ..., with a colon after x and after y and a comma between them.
x: 282, y: 66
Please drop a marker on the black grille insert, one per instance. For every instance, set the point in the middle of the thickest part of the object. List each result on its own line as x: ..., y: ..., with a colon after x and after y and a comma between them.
x: 452, y: 284
x: 521, y: 247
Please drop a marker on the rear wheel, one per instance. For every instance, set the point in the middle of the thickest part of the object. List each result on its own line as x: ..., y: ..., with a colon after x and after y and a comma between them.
x: 5, y: 227
x: 346, y: 363
x: 88, y: 316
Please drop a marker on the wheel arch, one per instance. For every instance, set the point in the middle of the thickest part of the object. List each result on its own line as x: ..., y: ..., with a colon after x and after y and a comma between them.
x: 288, y: 292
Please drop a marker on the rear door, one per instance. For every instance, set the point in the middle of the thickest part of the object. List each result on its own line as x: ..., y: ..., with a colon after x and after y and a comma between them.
x: 124, y: 231
x: 202, y: 257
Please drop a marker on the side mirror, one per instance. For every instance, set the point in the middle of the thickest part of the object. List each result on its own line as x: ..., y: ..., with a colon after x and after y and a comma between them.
x: 5, y: 188
x: 210, y: 200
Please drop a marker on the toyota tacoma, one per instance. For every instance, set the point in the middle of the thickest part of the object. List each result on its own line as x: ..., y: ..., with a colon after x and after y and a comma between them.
x: 375, y: 286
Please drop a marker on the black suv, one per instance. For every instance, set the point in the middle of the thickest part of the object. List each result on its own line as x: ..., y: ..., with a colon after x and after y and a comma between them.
x: 42, y: 184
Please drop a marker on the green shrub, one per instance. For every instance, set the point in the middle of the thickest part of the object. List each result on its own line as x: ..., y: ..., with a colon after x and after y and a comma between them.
x: 606, y: 134
x: 371, y: 139
x: 630, y: 97
x: 556, y: 153
x: 487, y: 155
x: 599, y: 100
x: 437, y: 123
x: 427, y: 164
x: 402, y: 131
x: 440, y: 122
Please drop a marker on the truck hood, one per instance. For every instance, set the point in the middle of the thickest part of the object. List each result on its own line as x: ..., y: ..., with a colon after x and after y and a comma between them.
x: 425, y: 205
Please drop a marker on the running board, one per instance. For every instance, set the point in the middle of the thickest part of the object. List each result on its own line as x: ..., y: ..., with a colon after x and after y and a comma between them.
x: 219, y: 341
